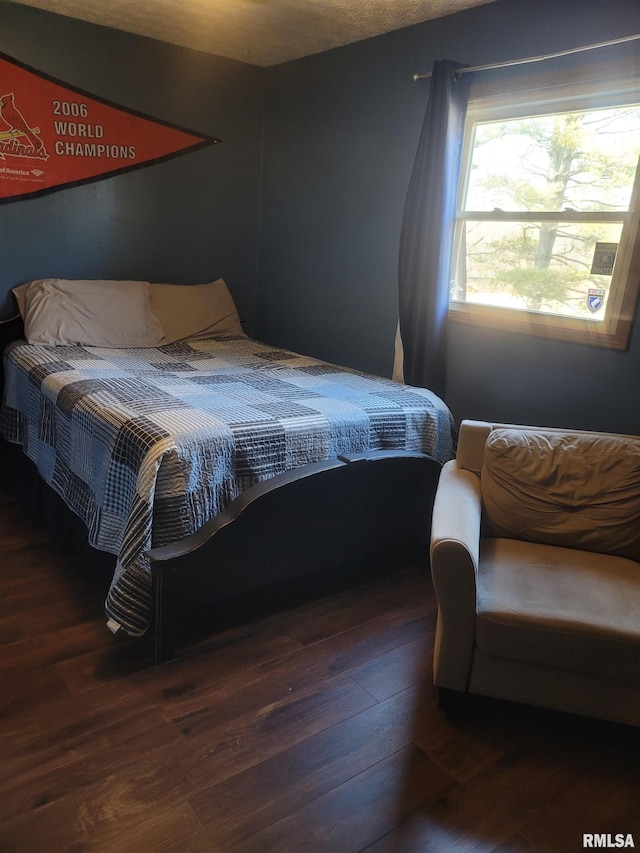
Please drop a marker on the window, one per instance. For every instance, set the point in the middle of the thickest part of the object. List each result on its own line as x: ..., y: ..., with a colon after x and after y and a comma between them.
x: 547, y: 225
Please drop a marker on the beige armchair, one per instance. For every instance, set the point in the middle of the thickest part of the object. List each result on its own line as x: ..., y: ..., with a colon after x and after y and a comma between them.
x: 535, y: 556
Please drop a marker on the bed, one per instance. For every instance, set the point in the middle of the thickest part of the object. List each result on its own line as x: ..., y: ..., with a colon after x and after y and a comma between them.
x: 215, y: 464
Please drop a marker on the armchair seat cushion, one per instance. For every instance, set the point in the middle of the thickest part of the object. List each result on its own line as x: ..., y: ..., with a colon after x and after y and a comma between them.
x: 559, y: 607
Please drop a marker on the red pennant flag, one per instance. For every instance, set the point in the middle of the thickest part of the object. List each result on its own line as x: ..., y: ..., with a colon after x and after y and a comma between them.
x: 54, y: 136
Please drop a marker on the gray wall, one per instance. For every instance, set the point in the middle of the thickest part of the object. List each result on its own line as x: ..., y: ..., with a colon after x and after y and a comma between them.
x: 341, y: 133
x: 187, y: 220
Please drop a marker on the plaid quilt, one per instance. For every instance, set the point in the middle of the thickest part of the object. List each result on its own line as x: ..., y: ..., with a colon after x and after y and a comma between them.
x: 146, y: 445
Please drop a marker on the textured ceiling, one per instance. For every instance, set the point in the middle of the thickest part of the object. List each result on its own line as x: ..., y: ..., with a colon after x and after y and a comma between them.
x: 262, y: 32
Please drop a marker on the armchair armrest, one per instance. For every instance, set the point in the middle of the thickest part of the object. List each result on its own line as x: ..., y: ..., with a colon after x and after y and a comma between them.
x: 455, y: 544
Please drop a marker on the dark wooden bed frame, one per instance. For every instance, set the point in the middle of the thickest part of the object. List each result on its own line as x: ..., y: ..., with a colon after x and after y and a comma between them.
x: 352, y: 515
x: 349, y: 517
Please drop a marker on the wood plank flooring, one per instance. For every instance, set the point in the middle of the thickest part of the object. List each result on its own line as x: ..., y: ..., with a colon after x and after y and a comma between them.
x: 311, y: 728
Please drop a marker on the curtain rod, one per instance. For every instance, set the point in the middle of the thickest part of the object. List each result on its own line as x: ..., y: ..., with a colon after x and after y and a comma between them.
x: 507, y: 64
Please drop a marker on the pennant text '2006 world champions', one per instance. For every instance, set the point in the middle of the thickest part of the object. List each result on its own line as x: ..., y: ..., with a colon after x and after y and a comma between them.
x: 54, y: 136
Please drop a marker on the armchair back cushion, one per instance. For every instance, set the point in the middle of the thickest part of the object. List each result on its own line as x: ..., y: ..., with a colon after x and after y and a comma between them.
x: 570, y: 490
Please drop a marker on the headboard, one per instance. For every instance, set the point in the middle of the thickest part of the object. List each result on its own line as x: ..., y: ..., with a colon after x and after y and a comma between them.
x: 11, y: 329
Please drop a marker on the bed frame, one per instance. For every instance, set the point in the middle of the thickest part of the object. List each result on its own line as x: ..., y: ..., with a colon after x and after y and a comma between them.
x: 352, y: 516
x: 345, y: 518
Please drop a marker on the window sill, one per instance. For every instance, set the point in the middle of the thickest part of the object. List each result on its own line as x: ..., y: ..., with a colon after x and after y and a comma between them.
x: 613, y: 333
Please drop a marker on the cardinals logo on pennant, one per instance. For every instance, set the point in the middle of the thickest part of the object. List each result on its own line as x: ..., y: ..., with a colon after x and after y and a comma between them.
x: 54, y: 136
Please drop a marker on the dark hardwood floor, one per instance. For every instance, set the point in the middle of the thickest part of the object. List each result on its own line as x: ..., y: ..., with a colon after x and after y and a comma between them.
x: 314, y: 728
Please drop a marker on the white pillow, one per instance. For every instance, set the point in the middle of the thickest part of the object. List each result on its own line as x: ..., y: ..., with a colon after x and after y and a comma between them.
x: 94, y: 313
x: 189, y: 312
x: 20, y: 293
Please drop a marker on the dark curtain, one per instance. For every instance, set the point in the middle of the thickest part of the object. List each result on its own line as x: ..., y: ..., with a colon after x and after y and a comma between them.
x: 428, y: 222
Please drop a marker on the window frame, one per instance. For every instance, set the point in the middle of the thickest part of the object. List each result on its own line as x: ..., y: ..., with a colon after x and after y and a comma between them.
x: 543, y: 97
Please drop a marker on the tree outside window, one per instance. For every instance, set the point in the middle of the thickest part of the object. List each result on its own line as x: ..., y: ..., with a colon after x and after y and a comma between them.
x: 546, y: 221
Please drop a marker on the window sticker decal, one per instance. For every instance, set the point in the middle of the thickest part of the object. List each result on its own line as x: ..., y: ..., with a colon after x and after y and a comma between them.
x: 54, y: 136
x: 595, y: 299
x: 604, y: 257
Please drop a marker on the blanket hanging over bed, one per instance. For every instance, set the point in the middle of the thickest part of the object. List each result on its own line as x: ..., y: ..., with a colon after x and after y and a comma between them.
x: 146, y: 445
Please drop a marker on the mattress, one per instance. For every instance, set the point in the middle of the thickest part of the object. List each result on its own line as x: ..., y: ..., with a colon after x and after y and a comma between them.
x: 146, y: 445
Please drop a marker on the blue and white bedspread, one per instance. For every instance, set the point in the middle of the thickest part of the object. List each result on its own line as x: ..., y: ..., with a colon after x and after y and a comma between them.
x: 146, y: 445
